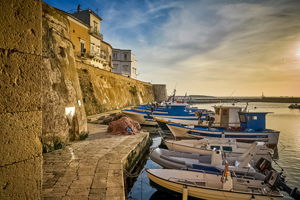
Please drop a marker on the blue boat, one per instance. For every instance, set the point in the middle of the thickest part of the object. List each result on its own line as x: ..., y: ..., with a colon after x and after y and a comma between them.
x: 252, y: 128
x: 173, y: 110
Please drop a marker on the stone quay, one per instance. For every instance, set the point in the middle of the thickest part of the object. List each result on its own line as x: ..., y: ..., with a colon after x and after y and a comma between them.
x: 94, y: 168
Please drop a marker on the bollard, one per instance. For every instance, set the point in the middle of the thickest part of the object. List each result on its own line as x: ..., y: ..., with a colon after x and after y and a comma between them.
x: 185, y: 193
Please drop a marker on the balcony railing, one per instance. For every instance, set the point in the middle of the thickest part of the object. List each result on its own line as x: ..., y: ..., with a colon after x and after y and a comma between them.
x: 96, y: 33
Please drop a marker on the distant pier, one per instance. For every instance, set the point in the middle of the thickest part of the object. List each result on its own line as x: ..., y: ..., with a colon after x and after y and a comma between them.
x: 193, y: 99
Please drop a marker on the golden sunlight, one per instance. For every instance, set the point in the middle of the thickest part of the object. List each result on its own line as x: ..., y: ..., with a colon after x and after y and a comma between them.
x: 298, y: 54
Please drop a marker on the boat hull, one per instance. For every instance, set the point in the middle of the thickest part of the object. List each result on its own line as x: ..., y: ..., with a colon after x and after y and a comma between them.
x: 201, y: 192
x: 205, y: 147
x: 269, y: 137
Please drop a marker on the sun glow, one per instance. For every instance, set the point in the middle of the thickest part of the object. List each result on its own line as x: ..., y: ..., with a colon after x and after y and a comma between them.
x: 298, y: 54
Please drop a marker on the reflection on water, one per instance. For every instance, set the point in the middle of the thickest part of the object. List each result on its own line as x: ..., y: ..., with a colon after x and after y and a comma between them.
x: 281, y: 118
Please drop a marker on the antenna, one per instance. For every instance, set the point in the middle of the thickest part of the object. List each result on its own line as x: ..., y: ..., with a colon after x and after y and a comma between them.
x: 229, y: 97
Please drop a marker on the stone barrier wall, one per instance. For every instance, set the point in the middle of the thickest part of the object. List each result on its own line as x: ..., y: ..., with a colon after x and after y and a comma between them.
x: 64, y: 117
x: 104, y: 91
x: 20, y: 99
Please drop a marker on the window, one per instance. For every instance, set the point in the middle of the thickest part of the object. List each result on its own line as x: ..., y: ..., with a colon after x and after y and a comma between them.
x: 95, y: 27
x: 217, y: 147
x: 82, y: 49
x: 115, y: 66
x: 125, y: 56
x: 243, y: 118
x: 217, y: 111
x: 115, y: 55
x: 227, y: 148
x: 125, y: 67
x: 225, y: 111
x: 254, y: 117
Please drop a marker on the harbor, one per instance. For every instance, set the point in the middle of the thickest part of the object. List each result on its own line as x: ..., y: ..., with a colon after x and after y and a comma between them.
x: 87, y: 109
x: 288, y: 149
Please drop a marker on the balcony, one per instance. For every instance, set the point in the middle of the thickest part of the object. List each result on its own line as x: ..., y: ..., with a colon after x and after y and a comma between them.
x: 96, y: 33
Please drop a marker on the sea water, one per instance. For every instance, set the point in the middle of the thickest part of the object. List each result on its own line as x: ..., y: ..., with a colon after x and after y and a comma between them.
x: 280, y: 118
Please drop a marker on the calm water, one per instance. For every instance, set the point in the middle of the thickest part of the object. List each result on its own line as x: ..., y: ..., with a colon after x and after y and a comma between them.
x: 286, y: 120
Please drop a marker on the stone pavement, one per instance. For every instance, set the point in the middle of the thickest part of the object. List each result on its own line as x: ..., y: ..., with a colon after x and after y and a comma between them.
x: 89, y: 169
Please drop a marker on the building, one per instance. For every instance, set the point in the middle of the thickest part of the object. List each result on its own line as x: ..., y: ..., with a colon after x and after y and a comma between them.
x: 79, y: 37
x: 88, y: 40
x: 124, y: 63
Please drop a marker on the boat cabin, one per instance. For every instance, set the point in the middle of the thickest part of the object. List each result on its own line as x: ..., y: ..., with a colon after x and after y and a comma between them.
x: 227, y: 116
x: 177, y: 109
x: 253, y: 120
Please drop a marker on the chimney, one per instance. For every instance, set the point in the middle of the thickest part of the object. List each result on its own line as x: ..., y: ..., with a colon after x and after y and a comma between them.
x: 79, y: 8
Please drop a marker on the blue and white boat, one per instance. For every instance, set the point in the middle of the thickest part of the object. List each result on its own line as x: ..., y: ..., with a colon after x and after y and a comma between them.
x: 252, y: 128
x: 214, y: 163
x: 225, y: 116
x: 178, y: 111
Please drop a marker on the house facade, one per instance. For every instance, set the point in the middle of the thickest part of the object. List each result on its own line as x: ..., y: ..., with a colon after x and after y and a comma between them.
x: 91, y: 48
x: 124, y: 63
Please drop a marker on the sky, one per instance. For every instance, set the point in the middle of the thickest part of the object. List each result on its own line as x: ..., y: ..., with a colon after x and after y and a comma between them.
x: 206, y: 47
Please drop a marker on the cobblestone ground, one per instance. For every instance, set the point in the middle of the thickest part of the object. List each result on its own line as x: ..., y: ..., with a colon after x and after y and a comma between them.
x: 89, y: 169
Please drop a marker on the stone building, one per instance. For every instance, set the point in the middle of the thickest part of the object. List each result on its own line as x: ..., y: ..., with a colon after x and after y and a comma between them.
x: 80, y: 37
x: 124, y: 63
x: 93, y: 50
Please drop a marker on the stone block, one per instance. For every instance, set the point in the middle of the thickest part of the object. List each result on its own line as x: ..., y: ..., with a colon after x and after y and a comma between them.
x: 21, y: 25
x: 115, y: 192
x: 20, y: 136
x: 21, y: 180
x: 116, y: 182
x: 20, y: 82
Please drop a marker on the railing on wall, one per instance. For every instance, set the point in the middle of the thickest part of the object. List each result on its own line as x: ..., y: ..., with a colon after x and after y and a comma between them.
x: 96, y: 32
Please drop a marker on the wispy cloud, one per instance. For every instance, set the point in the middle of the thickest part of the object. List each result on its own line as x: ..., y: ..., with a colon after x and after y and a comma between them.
x: 209, y: 47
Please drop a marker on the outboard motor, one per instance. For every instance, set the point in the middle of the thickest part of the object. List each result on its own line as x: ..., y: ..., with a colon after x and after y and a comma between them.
x: 274, y: 179
x: 264, y: 166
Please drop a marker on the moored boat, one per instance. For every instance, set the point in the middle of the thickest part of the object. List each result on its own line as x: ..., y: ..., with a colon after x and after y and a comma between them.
x: 213, y: 163
x: 177, y: 111
x: 252, y: 128
x: 228, y: 146
x: 224, y: 116
x: 201, y: 185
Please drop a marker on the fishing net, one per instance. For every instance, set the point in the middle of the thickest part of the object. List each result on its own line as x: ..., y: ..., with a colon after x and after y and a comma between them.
x: 123, y: 126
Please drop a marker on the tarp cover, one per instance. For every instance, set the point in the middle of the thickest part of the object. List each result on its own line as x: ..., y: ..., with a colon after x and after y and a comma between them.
x: 123, y: 126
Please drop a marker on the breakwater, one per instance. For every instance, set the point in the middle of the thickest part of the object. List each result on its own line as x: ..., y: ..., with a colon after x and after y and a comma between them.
x: 194, y: 100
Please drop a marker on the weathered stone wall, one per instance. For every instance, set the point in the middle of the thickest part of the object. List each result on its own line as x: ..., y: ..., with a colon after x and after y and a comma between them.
x: 20, y: 99
x: 103, y: 91
x: 60, y: 84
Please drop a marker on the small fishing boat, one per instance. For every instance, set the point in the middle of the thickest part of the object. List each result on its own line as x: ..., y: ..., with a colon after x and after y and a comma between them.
x: 224, y: 116
x: 213, y: 163
x: 228, y: 146
x: 174, y: 110
x: 252, y: 128
x: 201, y: 185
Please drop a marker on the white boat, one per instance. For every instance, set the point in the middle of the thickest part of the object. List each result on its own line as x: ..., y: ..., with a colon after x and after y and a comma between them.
x: 201, y: 185
x: 213, y: 163
x: 229, y: 146
x: 252, y: 128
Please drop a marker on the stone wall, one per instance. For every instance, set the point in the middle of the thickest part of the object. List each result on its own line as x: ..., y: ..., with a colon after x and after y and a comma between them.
x: 104, y: 91
x: 64, y: 116
x: 20, y: 99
